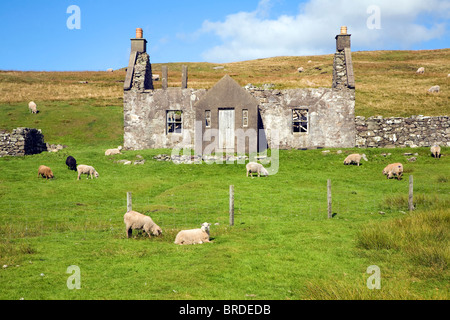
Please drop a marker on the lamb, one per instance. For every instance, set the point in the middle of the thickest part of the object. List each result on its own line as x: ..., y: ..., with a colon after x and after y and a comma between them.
x: 32, y: 107
x: 194, y: 236
x: 84, y: 169
x: 137, y: 221
x: 45, y: 172
x: 355, y: 158
x: 253, y: 167
x: 394, y: 169
x: 421, y: 70
x: 71, y: 163
x: 436, y: 151
x: 111, y: 152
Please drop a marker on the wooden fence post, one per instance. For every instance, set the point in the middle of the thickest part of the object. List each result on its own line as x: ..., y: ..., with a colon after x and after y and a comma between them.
x: 411, y: 193
x: 330, y: 213
x: 231, y: 205
x: 129, y: 202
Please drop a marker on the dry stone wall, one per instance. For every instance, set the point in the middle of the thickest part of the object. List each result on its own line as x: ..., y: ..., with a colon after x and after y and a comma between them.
x: 415, y: 131
x: 22, y: 141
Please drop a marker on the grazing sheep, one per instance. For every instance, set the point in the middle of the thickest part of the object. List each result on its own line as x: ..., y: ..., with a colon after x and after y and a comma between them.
x: 194, y: 236
x: 45, y: 172
x: 355, y: 158
x: 84, y: 169
x: 111, y: 152
x: 436, y: 151
x: 434, y: 89
x: 137, y: 221
x: 394, y: 169
x: 421, y: 70
x: 32, y: 107
x: 71, y: 163
x: 253, y: 167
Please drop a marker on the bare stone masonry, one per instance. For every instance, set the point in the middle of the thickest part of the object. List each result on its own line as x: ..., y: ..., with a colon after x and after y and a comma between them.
x: 21, y: 142
x: 415, y: 131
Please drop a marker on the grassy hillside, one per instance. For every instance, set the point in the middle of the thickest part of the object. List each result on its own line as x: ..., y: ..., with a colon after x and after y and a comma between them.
x: 386, y: 83
x: 282, y: 246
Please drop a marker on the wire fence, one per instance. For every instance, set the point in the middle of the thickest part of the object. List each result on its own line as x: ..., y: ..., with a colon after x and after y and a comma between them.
x: 178, y: 210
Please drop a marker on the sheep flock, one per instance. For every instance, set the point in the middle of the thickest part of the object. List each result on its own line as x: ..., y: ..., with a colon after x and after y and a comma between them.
x: 137, y: 221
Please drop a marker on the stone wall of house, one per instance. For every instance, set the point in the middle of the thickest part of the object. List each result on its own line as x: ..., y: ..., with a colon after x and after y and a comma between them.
x: 142, y: 74
x: 145, y: 117
x: 22, y: 141
x: 331, y: 117
x: 339, y: 71
x: 330, y: 112
x: 415, y: 131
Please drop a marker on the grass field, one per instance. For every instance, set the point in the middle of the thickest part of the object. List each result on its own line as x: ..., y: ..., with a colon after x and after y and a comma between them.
x: 282, y: 246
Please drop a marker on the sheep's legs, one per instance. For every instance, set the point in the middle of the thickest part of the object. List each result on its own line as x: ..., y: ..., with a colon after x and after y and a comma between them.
x: 129, y: 232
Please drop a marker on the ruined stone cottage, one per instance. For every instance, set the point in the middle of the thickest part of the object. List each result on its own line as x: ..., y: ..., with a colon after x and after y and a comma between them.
x: 230, y: 118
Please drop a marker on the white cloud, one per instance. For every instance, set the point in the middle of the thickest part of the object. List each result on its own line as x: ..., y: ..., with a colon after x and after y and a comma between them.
x: 251, y: 35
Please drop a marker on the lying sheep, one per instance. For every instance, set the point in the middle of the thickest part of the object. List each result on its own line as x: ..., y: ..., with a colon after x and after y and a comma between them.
x: 32, y: 107
x: 45, y: 172
x: 436, y: 151
x: 71, y: 163
x: 84, y: 169
x: 253, y: 167
x: 355, y: 158
x: 394, y: 169
x: 111, y: 152
x: 194, y: 236
x: 137, y: 221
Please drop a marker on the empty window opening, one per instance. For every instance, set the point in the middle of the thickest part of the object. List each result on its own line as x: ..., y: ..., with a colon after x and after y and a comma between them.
x: 208, y: 118
x: 174, y: 121
x: 300, y: 121
x: 245, y: 118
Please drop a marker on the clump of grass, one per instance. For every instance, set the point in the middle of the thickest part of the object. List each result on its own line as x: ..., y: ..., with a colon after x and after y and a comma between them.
x: 422, y: 237
x: 340, y: 290
x: 442, y: 179
x: 398, y: 202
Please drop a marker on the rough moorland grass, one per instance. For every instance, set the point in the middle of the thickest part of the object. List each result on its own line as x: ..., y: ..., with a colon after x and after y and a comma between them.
x: 386, y: 82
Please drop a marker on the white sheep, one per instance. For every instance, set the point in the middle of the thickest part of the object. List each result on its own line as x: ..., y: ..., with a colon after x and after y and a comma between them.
x: 111, y: 152
x: 355, y: 158
x: 393, y: 169
x: 436, y: 151
x: 137, y: 221
x: 434, y: 89
x: 89, y: 170
x: 253, y: 167
x: 32, y: 107
x: 194, y: 236
x: 421, y: 70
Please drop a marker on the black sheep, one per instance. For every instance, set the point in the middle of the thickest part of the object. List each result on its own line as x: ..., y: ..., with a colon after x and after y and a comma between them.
x: 71, y: 163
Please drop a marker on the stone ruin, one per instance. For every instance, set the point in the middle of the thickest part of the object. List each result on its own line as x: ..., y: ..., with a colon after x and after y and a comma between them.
x: 22, y: 142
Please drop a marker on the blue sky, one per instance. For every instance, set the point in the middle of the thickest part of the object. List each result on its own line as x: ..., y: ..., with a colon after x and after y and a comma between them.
x: 35, y: 37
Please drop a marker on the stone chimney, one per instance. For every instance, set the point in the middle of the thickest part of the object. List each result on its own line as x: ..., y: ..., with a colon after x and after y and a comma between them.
x: 139, y: 70
x: 343, y: 76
